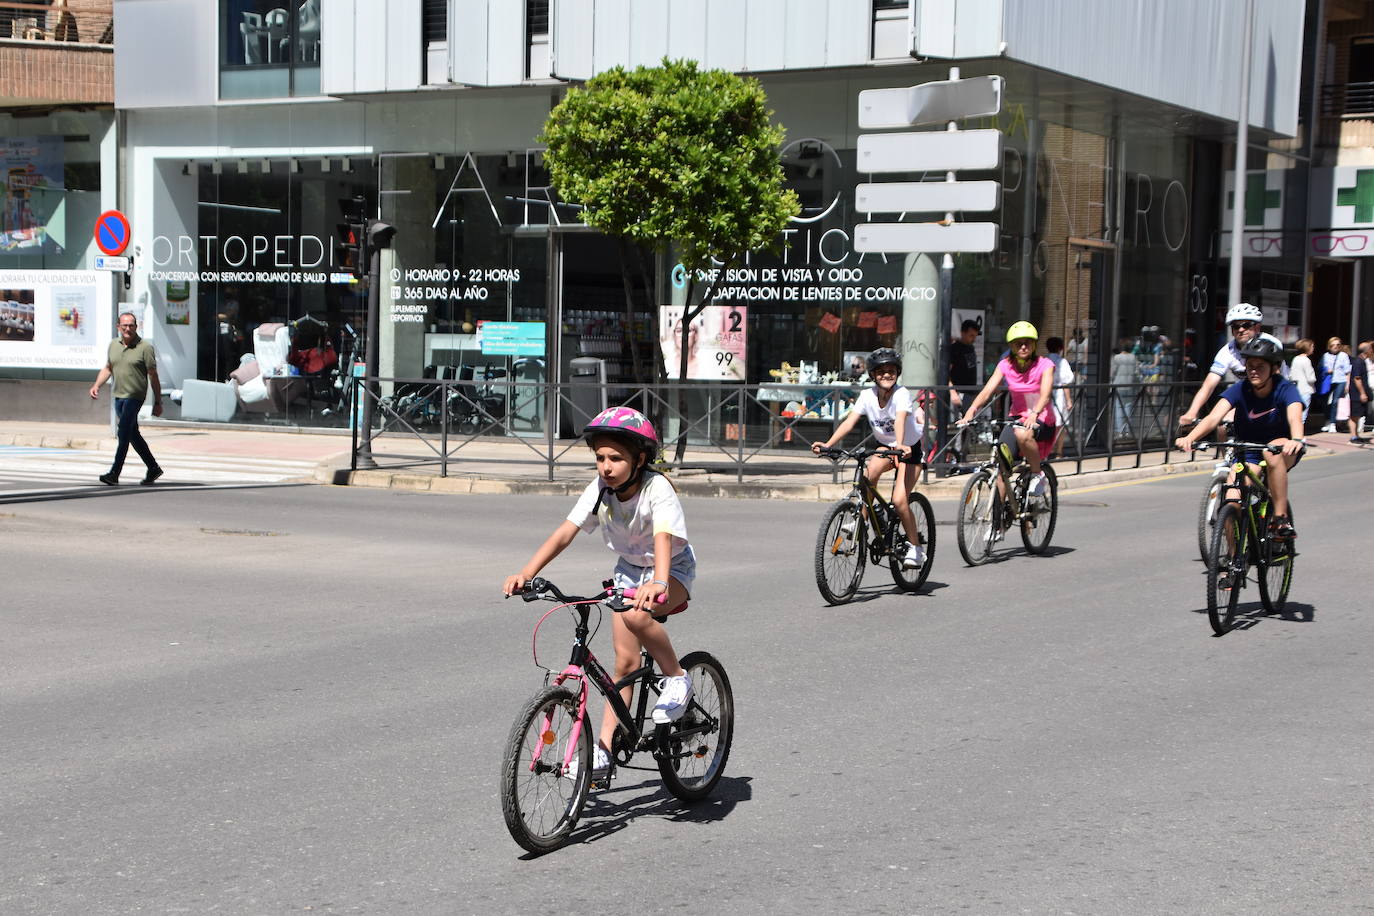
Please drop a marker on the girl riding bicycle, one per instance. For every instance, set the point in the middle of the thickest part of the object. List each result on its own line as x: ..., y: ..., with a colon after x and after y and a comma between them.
x: 894, y: 419
x: 1268, y: 408
x: 1030, y: 381
x: 642, y: 521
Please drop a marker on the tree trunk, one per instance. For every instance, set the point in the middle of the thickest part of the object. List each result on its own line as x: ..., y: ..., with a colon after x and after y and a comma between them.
x: 636, y: 364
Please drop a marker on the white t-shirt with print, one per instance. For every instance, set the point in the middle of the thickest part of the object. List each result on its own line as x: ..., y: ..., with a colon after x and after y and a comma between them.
x: 629, y: 527
x: 884, y: 419
x: 1228, y: 359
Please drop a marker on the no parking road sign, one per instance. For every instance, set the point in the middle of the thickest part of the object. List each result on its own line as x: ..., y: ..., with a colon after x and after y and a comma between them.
x: 112, y: 232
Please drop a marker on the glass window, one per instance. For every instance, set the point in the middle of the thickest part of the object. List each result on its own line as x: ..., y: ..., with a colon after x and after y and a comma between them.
x: 269, y: 48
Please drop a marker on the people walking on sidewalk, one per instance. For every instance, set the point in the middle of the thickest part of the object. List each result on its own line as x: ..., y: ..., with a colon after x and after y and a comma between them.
x: 1336, y: 365
x: 1303, y: 374
x: 133, y: 364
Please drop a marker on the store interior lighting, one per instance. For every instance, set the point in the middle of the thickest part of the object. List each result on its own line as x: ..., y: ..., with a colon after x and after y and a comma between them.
x: 325, y: 165
x: 267, y: 167
x: 243, y: 166
x: 438, y: 163
x: 347, y: 164
x: 217, y: 167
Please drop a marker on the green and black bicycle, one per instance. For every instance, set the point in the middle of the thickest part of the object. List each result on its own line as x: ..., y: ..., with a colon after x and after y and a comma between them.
x: 1241, y: 539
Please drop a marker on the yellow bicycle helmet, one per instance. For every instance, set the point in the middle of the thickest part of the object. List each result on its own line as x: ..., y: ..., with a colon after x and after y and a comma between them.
x: 1022, y: 329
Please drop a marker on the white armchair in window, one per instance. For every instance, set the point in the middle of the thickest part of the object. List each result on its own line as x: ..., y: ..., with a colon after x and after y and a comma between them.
x: 308, y: 31
x: 253, y: 37
x: 278, y: 25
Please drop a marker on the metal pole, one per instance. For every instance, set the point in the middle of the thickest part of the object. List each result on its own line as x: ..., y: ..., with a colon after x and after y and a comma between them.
x: 1242, y: 138
x: 369, y: 395
x: 944, y: 322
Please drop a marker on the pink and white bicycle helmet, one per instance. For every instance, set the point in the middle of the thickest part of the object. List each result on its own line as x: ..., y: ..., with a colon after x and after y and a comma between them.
x: 626, y: 423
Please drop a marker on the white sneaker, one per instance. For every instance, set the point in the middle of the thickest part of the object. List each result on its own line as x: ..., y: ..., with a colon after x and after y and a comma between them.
x: 1329, y: 428
x: 674, y: 694
x: 915, y: 556
x: 601, y: 764
x: 1037, y: 486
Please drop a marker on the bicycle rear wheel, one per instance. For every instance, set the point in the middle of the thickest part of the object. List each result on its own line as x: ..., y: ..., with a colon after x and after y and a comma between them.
x: 1276, y: 571
x: 1207, y: 516
x: 840, y: 552
x: 1041, y: 513
x: 693, y: 750
x: 978, y: 521
x: 540, y: 799
x: 912, y: 579
x: 1226, y: 569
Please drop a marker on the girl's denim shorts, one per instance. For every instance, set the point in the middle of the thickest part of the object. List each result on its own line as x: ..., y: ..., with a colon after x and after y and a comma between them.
x: 683, y: 569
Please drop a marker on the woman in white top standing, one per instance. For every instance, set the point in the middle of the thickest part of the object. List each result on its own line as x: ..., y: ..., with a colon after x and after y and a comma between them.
x: 896, y: 423
x: 1303, y: 374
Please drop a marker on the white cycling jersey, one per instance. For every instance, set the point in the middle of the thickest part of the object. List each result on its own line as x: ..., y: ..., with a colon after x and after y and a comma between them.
x: 1228, y: 359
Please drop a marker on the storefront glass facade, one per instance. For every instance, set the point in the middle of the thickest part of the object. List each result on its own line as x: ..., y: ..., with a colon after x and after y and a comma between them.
x: 1098, y: 240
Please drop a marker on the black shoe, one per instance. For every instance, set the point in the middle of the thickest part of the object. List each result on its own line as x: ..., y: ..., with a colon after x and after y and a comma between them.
x: 109, y: 480
x: 152, y: 477
x: 1281, y: 529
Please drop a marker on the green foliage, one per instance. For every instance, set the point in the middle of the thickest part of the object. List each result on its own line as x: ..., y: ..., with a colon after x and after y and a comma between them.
x: 672, y: 155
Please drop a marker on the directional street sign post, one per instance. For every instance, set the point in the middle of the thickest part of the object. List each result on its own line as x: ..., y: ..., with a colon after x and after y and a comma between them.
x: 943, y: 102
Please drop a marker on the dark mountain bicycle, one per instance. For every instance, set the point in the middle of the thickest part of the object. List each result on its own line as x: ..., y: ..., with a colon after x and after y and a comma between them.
x: 985, y: 515
x: 546, y: 769
x: 844, y: 538
x: 1241, y: 539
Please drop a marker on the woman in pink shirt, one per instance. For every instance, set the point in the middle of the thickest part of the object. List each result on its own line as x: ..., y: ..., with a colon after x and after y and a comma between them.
x: 1030, y: 382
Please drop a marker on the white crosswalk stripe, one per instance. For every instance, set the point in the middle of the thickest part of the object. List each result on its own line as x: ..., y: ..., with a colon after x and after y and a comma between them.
x: 48, y: 468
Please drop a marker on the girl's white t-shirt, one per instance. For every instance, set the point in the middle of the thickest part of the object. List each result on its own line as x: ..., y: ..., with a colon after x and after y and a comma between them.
x: 629, y: 527
x: 884, y: 419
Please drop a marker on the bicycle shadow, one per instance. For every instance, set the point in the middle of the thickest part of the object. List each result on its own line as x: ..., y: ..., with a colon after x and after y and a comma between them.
x: 656, y: 801
x: 874, y: 592
x: 1012, y: 552
x: 1251, y: 614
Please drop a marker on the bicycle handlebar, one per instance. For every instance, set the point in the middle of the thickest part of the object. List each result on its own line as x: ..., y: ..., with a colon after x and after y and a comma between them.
x: 838, y: 454
x: 1262, y: 446
x: 538, y: 587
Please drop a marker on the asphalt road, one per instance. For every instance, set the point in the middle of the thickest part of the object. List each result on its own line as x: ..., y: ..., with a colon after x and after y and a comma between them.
x: 293, y: 699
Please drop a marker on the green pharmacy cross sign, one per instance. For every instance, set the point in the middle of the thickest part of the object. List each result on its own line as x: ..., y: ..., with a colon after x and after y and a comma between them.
x: 1361, y: 196
x: 1258, y: 199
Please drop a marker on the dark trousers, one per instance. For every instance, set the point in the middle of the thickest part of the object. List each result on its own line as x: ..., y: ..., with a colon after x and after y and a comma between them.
x: 126, y: 416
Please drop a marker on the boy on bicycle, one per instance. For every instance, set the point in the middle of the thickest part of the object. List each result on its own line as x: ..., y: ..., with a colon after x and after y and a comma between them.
x: 642, y: 521
x: 893, y: 417
x: 1268, y: 409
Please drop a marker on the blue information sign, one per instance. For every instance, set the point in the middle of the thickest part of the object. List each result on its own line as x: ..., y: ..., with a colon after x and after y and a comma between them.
x: 511, y: 338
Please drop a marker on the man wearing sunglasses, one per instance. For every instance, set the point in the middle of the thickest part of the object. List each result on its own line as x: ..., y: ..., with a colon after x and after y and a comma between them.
x: 1243, y: 319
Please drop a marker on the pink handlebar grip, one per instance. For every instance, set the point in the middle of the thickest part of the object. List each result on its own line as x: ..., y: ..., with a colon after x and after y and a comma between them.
x: 631, y: 592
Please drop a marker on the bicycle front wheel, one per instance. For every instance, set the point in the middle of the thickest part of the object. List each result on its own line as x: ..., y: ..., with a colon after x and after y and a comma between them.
x: 540, y: 797
x: 1207, y: 516
x: 840, y: 552
x: 1276, y: 571
x: 911, y: 578
x: 1226, y: 569
x: 1041, y: 512
x: 692, y: 751
x: 978, y: 521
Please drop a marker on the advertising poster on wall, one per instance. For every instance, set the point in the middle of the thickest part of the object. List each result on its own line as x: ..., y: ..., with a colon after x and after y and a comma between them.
x: 32, y: 170
x: 716, y: 342
x: 55, y: 319
x: 178, y: 302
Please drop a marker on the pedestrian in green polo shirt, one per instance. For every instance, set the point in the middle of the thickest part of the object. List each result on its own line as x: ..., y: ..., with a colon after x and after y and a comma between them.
x: 133, y: 364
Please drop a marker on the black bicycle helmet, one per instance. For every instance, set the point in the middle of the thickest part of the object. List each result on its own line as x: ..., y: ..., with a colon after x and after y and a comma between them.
x: 884, y: 356
x: 1262, y: 348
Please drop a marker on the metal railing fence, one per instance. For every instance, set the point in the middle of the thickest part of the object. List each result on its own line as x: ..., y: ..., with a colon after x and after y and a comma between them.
x: 760, y: 429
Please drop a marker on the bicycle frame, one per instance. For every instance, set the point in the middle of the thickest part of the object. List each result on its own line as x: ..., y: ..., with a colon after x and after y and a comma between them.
x: 878, y: 509
x: 584, y: 668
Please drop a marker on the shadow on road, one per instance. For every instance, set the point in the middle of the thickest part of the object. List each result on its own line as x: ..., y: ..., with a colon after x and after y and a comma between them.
x: 104, y: 492
x: 604, y: 815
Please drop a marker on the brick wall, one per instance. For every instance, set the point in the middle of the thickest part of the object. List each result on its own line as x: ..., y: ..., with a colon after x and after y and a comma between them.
x: 55, y: 55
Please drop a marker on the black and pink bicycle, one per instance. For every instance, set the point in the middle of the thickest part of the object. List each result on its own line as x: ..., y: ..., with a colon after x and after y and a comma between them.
x: 546, y: 769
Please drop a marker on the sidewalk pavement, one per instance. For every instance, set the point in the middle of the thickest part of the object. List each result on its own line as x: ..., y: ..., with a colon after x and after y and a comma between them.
x: 513, y: 466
